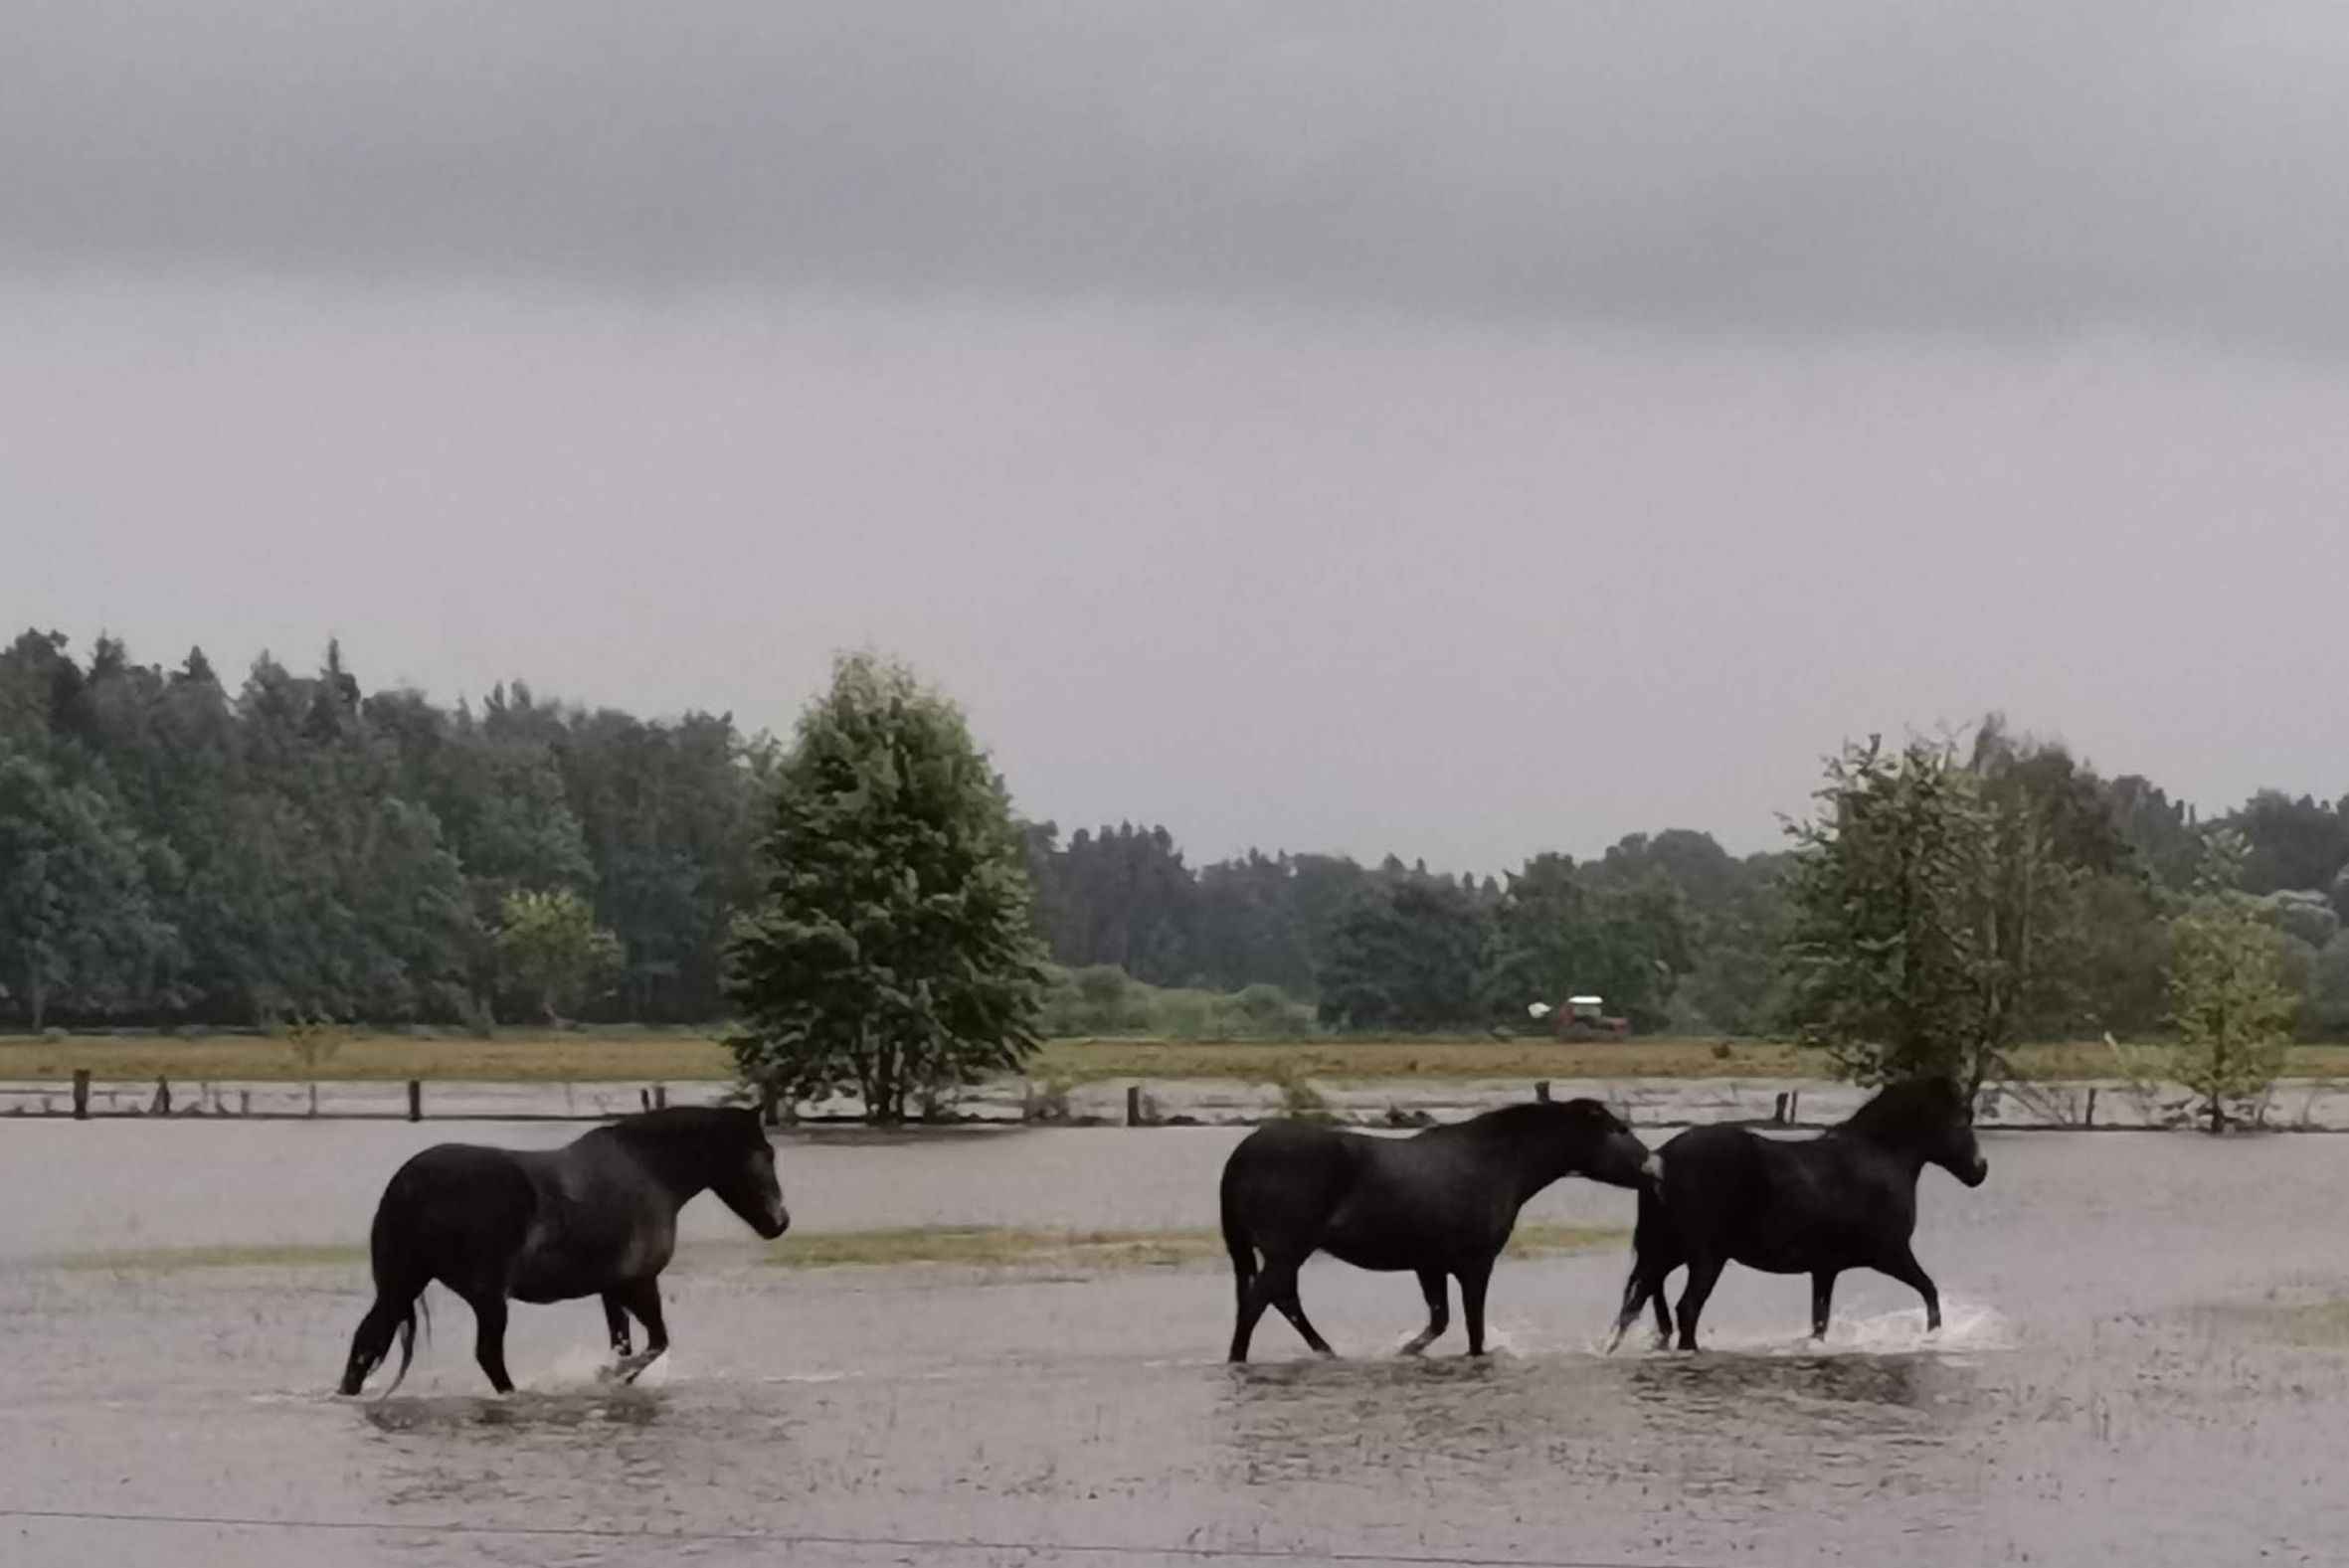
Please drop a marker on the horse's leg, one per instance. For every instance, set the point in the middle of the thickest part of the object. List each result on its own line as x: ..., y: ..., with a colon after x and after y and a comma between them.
x: 1436, y: 1287
x: 615, y: 1327
x: 1703, y: 1272
x: 642, y: 1296
x: 1643, y: 1284
x: 489, y: 1336
x: 1473, y: 1279
x: 1821, y: 1294
x: 1243, y: 1329
x: 1635, y: 1296
x: 1902, y: 1266
x: 1277, y: 1284
x: 1294, y: 1309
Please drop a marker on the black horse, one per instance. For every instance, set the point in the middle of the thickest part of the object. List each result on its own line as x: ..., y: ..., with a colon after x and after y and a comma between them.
x: 598, y: 1216
x: 1440, y: 1203
x: 1846, y: 1199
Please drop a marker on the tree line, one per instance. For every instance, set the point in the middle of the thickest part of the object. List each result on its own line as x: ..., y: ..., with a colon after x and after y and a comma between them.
x: 2090, y: 875
x: 1936, y: 911
x: 176, y: 851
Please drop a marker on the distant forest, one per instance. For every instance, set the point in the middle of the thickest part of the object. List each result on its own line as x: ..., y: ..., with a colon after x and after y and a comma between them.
x: 175, y: 851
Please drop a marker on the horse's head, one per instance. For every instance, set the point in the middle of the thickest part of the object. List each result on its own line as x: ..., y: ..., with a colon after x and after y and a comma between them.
x: 1931, y: 1117
x: 1959, y: 1154
x: 744, y: 1177
x: 1600, y: 1145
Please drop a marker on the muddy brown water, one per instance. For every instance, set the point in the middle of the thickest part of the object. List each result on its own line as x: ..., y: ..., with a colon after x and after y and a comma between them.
x: 2140, y: 1366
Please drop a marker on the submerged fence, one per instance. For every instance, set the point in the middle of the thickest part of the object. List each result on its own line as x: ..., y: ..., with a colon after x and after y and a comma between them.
x: 1374, y: 1104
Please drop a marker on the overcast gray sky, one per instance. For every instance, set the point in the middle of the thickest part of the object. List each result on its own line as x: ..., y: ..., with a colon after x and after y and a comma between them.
x: 1459, y: 429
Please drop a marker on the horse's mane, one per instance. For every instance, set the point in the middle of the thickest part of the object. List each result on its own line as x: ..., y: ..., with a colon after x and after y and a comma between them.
x: 1541, y: 1115
x: 1905, y: 1112
x: 686, y: 1122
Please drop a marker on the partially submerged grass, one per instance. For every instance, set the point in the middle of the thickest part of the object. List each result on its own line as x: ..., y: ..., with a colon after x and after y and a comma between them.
x: 2317, y: 1325
x: 1344, y: 1061
x: 685, y: 1057
x: 172, y: 1259
x: 519, y: 1057
x: 1541, y: 1241
x: 995, y: 1246
x: 966, y: 1246
x: 690, y: 1056
x: 1021, y: 1247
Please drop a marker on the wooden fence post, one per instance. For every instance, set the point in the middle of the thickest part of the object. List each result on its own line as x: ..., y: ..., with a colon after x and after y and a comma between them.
x: 1778, y: 1111
x: 81, y: 1093
x: 1795, y: 1099
x: 1132, y: 1105
x: 661, y: 1097
x: 416, y: 1100
x: 1541, y: 1090
x: 162, y: 1105
x: 2088, y: 1117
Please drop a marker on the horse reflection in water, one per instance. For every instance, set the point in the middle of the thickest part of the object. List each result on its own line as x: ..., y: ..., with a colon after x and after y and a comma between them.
x: 1846, y: 1199
x: 596, y: 1217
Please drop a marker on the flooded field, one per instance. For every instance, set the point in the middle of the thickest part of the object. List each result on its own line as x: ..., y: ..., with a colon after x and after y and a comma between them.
x: 2146, y: 1362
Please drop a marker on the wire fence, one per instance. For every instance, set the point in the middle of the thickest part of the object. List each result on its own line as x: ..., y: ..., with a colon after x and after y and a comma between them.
x: 808, y: 1539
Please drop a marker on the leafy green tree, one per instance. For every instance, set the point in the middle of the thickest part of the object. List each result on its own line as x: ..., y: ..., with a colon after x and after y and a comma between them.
x: 2304, y: 915
x: 2229, y: 1001
x: 2290, y: 843
x: 893, y: 950
x: 2164, y: 838
x: 78, y: 927
x: 2325, y: 1016
x: 2122, y: 979
x: 552, y: 950
x: 1407, y: 957
x: 1551, y: 935
x: 1934, y: 924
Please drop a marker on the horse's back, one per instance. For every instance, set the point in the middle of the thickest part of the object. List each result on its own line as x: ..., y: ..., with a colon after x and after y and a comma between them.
x: 484, y: 1175
x: 1287, y: 1173
x: 1781, y: 1205
x: 1290, y: 1148
x: 1714, y: 1179
x: 454, y: 1212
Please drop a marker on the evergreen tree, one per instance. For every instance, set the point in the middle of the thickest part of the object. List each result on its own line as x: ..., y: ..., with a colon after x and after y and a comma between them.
x: 892, y: 951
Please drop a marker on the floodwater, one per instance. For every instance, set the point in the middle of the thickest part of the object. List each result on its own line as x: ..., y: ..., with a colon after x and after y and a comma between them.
x: 2145, y: 1363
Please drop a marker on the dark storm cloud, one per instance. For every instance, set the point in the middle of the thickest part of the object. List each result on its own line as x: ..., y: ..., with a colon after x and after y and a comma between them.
x: 1978, y: 168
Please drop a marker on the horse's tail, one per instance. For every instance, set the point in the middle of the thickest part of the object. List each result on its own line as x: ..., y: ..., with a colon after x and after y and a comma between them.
x: 1236, y: 1240
x: 1647, y: 1231
x: 396, y: 1256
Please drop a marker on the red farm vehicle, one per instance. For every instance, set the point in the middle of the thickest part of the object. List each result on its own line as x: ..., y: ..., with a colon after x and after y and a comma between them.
x: 1583, y: 1019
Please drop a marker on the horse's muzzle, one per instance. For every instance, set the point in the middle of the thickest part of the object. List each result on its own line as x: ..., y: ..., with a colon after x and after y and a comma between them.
x: 777, y: 1224
x: 1979, y: 1175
